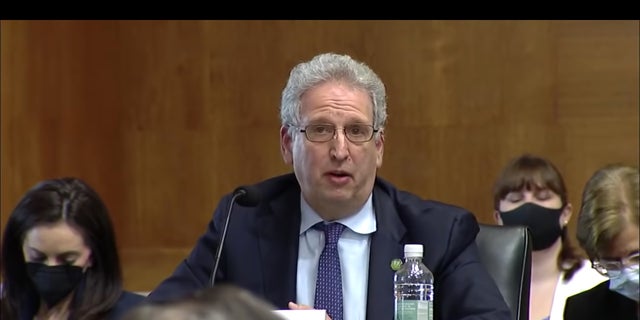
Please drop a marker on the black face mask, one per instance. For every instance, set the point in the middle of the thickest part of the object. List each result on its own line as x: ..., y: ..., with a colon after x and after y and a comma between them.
x: 54, y: 283
x: 542, y: 222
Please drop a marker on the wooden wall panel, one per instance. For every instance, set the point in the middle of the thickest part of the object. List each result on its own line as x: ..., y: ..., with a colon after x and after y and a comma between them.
x: 165, y: 117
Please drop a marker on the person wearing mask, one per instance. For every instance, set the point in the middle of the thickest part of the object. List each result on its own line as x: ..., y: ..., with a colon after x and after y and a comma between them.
x: 59, y: 257
x: 333, y: 114
x: 608, y: 231
x: 530, y: 191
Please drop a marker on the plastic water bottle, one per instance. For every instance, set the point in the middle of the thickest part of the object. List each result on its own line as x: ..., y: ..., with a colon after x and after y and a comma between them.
x: 413, y: 285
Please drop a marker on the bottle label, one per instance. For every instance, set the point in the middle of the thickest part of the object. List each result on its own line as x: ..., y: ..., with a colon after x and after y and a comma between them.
x: 414, y: 310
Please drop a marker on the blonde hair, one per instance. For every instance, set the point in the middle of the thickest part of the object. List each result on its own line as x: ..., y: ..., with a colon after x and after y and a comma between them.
x: 609, y: 205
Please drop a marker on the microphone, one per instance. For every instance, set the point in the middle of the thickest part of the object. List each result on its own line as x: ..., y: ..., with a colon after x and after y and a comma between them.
x: 246, y: 196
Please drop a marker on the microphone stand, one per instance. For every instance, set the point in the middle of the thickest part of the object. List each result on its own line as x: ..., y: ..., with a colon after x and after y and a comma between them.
x: 240, y: 193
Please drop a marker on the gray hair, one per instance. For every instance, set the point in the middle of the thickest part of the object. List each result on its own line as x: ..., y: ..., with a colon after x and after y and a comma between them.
x: 327, y: 67
x: 221, y: 302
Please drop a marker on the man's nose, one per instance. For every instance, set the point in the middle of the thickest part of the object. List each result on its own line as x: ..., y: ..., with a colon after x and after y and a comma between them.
x: 340, y: 147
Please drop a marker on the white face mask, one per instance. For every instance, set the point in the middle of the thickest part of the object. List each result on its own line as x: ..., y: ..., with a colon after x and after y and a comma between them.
x: 626, y: 283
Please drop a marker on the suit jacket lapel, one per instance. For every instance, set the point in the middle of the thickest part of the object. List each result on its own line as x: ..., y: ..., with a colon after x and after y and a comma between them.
x: 278, y: 242
x: 386, y: 245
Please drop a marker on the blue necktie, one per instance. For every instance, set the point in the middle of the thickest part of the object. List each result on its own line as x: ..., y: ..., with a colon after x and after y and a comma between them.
x: 329, y: 281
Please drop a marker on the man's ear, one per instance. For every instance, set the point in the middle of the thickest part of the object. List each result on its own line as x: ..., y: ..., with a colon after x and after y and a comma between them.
x: 286, y: 145
x: 380, y: 148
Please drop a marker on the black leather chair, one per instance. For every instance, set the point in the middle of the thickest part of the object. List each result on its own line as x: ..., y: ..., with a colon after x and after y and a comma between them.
x: 506, y: 253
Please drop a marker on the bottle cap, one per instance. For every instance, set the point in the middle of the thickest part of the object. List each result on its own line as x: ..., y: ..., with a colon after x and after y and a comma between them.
x: 412, y: 250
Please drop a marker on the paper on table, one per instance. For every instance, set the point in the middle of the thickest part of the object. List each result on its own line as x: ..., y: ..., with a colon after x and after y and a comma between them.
x: 311, y: 314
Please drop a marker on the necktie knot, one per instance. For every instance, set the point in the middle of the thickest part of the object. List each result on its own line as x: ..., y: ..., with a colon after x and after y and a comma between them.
x: 332, y: 231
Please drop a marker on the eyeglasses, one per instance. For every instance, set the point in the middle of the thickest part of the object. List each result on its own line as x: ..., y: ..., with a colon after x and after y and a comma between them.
x: 324, y: 132
x: 613, y: 268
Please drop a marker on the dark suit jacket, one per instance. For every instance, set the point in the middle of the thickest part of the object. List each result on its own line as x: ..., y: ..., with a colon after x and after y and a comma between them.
x: 127, y: 301
x: 261, y: 251
x: 600, y: 303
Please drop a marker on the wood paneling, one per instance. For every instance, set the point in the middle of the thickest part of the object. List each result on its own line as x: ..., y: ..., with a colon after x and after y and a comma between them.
x: 165, y: 117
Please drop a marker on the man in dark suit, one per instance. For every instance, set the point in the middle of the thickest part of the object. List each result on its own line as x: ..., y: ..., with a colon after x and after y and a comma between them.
x: 333, y: 115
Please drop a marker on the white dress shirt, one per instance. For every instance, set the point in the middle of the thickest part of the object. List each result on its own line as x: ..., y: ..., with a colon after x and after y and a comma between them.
x: 583, y: 279
x: 353, y: 249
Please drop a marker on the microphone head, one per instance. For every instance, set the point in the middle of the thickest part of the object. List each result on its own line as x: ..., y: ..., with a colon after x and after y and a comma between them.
x: 247, y: 196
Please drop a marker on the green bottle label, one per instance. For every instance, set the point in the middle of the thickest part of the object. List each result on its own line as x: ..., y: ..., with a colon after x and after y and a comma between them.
x: 414, y: 310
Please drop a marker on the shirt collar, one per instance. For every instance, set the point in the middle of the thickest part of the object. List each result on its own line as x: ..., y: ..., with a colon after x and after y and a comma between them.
x: 362, y: 222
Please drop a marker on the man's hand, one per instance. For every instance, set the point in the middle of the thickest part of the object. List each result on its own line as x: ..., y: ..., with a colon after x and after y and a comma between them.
x: 295, y: 306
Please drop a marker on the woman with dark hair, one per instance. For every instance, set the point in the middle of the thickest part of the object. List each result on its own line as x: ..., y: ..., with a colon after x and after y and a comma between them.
x: 530, y: 191
x: 59, y: 256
